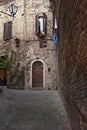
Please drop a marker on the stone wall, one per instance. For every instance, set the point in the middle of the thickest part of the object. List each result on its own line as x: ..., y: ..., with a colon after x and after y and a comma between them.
x: 47, y: 54
x: 72, y: 57
x: 17, y: 32
x: 24, y: 30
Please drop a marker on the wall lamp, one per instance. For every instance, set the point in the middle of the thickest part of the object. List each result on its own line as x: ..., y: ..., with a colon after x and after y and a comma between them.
x: 12, y: 9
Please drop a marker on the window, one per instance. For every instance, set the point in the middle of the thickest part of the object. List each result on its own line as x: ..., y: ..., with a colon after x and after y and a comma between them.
x: 43, y: 43
x: 50, y: 4
x: 7, y: 32
x: 17, y: 41
x: 49, y: 69
x: 41, y: 25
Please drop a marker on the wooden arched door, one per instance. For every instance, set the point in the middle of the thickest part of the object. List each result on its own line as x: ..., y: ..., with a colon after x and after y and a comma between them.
x: 37, y: 74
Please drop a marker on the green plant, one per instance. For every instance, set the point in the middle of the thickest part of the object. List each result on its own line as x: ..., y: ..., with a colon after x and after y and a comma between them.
x: 6, y: 61
x: 18, y: 79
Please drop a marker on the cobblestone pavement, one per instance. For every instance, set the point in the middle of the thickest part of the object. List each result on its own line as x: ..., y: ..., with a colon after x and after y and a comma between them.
x: 32, y: 110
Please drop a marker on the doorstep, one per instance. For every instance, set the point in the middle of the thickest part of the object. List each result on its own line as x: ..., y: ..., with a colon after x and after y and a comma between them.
x: 37, y: 88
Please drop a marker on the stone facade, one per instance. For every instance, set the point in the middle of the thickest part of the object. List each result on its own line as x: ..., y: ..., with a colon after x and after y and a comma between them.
x: 72, y: 56
x: 29, y: 51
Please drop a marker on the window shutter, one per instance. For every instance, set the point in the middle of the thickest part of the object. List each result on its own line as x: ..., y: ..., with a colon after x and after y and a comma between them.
x: 9, y: 30
x: 37, y: 25
x: 7, y: 34
x: 45, y: 24
x: 5, y: 31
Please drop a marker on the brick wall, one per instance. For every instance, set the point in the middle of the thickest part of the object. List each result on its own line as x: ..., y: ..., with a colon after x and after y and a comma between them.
x: 72, y: 57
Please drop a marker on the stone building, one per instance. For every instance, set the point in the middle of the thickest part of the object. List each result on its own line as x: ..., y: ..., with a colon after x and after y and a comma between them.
x: 29, y: 38
x: 71, y: 18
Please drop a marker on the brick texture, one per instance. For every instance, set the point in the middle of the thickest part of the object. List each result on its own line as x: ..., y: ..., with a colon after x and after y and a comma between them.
x: 72, y: 56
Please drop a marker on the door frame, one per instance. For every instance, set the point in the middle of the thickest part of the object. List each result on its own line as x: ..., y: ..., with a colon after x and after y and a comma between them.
x: 43, y: 72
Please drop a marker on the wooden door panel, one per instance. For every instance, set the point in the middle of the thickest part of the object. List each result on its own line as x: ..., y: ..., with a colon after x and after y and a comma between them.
x: 37, y: 75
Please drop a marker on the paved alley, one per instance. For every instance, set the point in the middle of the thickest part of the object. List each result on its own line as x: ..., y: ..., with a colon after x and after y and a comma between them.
x: 32, y: 110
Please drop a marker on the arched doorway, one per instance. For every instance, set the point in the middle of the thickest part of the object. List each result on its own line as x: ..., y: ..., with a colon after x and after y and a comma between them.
x: 37, y: 74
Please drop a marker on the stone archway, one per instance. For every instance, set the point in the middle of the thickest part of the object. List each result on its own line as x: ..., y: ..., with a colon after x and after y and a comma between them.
x: 37, y: 74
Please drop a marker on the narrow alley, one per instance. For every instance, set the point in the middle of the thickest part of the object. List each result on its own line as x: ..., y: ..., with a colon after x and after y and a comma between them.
x: 32, y: 110
x: 43, y: 64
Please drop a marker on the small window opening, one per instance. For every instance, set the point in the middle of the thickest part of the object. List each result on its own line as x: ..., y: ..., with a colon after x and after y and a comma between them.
x: 18, y: 64
x: 49, y: 69
x: 17, y: 41
x: 43, y: 44
x: 50, y: 3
